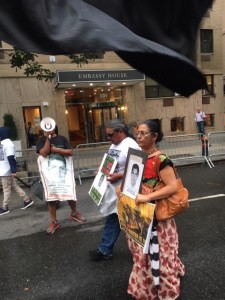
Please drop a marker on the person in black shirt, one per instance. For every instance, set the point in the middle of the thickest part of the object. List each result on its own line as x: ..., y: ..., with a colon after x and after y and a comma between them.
x: 52, y: 145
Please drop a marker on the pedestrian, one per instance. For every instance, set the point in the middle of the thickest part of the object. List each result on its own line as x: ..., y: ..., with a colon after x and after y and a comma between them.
x: 117, y: 133
x: 52, y: 146
x: 142, y: 284
x: 30, y: 134
x: 132, y: 129
x: 8, y: 172
x: 199, y: 119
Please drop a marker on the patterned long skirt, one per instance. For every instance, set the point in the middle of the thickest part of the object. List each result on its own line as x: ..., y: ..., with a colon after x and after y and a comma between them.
x: 141, y: 285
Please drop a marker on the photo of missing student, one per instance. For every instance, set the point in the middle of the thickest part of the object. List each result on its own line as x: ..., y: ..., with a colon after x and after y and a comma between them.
x: 100, y: 183
x: 135, y: 220
x: 133, y: 173
x: 57, y: 177
x: 133, y: 179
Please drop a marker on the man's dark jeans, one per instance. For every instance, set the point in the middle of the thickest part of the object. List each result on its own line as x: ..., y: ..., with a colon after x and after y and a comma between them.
x: 200, y: 126
x: 110, y: 234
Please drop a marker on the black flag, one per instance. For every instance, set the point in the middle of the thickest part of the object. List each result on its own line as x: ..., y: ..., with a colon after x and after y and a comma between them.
x: 156, y: 37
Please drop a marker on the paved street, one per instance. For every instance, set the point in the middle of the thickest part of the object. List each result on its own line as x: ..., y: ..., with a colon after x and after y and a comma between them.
x: 34, y: 265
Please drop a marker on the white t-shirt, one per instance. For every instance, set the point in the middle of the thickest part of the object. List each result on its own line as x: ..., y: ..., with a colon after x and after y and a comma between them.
x: 199, y: 116
x: 7, y: 148
x: 119, y: 152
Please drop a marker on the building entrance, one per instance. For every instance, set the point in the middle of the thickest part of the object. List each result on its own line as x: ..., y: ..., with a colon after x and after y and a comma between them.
x: 32, y: 117
x: 100, y: 117
x: 88, y: 111
x: 86, y: 124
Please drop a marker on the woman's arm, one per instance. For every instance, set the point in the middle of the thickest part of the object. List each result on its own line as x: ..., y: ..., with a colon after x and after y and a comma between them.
x: 169, y: 178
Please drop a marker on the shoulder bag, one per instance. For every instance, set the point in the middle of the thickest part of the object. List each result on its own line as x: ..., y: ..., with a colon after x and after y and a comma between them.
x: 175, y: 203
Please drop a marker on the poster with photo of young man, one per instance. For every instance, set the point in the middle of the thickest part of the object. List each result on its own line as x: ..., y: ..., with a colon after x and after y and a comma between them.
x: 57, y: 176
x: 133, y: 173
x: 135, y: 220
x: 100, y: 183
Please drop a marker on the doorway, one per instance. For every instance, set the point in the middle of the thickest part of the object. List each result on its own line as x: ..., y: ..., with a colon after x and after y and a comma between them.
x: 100, y: 117
x: 32, y: 114
x: 86, y: 124
x: 76, y: 124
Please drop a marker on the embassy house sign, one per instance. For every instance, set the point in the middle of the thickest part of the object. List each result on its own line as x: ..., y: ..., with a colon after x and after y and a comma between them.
x: 69, y: 77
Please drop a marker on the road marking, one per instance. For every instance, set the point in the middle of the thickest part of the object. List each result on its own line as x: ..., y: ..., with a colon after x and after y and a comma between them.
x: 207, y: 197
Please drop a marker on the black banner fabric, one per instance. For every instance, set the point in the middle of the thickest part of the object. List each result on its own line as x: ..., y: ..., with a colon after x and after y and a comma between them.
x: 157, y: 38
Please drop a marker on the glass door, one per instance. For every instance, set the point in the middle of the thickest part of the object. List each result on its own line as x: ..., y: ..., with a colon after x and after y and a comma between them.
x: 76, y: 124
x: 100, y: 117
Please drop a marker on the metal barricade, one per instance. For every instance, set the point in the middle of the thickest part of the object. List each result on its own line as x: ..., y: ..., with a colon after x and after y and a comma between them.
x: 89, y: 157
x: 183, y: 148
x: 26, y: 161
x: 216, y: 142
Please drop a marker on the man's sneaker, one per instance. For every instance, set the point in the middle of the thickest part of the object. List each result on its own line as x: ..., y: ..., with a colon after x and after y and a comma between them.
x: 53, y: 227
x: 96, y: 255
x: 4, y: 211
x: 77, y: 217
x: 27, y: 204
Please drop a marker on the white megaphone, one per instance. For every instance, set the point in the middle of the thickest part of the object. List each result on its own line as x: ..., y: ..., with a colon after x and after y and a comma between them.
x: 47, y: 124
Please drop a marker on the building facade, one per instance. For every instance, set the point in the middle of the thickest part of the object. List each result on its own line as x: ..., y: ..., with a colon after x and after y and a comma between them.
x: 82, y: 100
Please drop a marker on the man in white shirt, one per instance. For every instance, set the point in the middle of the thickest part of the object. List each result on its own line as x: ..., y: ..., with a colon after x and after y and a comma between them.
x: 117, y: 133
x: 199, y: 119
x: 8, y: 172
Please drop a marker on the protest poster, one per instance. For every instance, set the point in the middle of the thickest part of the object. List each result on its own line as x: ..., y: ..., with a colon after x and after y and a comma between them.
x: 57, y: 176
x: 135, y: 219
x: 100, y: 183
x: 133, y: 172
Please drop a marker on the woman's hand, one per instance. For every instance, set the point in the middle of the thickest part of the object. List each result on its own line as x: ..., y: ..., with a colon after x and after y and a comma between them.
x: 118, y: 191
x: 142, y: 198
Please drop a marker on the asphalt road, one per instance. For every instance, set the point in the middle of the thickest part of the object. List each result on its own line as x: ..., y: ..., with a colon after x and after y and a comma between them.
x: 34, y: 265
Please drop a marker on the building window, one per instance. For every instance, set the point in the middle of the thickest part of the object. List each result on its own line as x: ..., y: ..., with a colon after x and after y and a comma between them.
x: 155, y: 90
x: 210, y: 84
x: 177, y: 124
x: 209, y: 120
x: 206, y: 38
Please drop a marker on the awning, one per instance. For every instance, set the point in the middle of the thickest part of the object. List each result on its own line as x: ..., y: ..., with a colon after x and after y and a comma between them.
x: 87, y: 78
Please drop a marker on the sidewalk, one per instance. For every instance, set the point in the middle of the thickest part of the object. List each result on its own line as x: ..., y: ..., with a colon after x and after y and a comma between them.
x: 20, y: 222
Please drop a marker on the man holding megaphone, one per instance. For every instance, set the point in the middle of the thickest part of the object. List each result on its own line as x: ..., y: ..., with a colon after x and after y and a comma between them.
x: 56, y: 169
